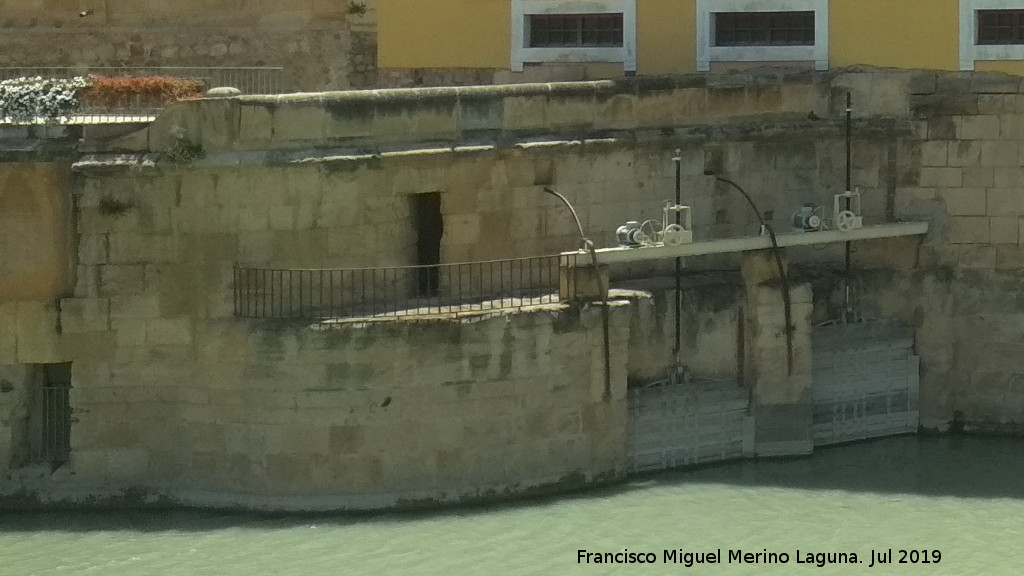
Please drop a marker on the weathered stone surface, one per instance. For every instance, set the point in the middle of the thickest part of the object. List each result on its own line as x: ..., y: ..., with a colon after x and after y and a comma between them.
x: 980, y: 127
x: 350, y: 404
x: 1003, y: 229
x: 964, y: 201
x: 969, y: 230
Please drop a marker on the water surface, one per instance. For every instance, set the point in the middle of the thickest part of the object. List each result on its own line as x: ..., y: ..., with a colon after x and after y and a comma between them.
x: 961, y: 496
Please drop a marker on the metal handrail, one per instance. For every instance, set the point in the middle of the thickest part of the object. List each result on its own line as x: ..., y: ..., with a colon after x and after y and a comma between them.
x: 397, y: 291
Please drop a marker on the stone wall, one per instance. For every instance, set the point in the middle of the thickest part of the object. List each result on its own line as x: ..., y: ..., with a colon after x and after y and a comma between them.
x: 36, y: 270
x: 320, y: 45
x: 35, y: 230
x: 326, y: 180
x: 925, y: 146
x: 352, y: 416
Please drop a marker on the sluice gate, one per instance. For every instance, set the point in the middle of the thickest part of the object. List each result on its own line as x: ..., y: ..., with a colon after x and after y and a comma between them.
x: 865, y: 382
x: 674, y: 424
x: 864, y: 385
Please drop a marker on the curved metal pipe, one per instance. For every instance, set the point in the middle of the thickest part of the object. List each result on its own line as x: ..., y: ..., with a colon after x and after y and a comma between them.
x: 786, y: 301
x: 588, y: 244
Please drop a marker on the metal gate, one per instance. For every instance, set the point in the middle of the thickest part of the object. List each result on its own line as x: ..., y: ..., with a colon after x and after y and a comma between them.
x: 676, y: 424
x: 865, y: 382
x: 52, y: 415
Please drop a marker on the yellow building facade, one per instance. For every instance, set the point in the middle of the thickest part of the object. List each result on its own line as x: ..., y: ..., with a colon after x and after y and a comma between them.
x: 625, y: 37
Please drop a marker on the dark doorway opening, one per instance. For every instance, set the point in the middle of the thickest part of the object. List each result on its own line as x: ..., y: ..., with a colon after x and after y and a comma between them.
x: 50, y: 417
x: 426, y: 210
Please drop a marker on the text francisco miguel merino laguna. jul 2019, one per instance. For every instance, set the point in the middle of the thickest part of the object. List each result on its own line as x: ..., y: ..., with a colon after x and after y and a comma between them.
x: 691, y: 558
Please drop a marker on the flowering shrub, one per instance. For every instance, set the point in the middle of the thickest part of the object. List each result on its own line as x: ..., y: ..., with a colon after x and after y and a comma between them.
x: 126, y: 92
x: 24, y: 99
x: 30, y: 99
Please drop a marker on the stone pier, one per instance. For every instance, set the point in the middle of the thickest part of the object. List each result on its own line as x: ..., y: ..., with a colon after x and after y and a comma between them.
x: 781, y: 390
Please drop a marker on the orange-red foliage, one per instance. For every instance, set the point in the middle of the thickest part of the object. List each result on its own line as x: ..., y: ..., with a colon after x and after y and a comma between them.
x: 118, y: 92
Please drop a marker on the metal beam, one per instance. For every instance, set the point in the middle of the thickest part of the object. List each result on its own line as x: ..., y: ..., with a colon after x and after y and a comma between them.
x: 621, y: 254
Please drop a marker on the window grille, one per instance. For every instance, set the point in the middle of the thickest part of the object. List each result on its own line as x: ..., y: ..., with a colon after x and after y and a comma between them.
x: 575, y: 30
x: 764, y: 28
x: 997, y: 27
x: 52, y: 444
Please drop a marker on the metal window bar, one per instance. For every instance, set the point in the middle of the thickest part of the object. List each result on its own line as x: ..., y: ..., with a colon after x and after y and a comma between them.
x: 395, y: 291
x: 764, y: 28
x: 1000, y: 27
x: 54, y: 445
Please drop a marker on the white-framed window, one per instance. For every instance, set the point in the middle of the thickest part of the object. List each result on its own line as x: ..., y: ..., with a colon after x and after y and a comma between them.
x: 759, y: 31
x: 991, y: 30
x: 574, y: 31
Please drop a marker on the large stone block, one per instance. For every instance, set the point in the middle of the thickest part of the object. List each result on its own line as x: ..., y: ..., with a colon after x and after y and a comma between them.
x: 965, y: 153
x: 169, y: 331
x: 935, y: 153
x: 999, y: 153
x: 1009, y: 257
x: 964, y: 201
x: 129, y: 331
x: 255, y: 125
x: 147, y: 306
x: 1003, y: 229
x: 1006, y: 177
x: 997, y: 104
x: 1005, y: 201
x: 299, y: 122
x: 941, y: 177
x: 128, y: 248
x: 524, y: 113
x: 1011, y: 127
x: 98, y: 346
x: 979, y: 128
x: 969, y: 230
x: 85, y: 314
x: 976, y: 256
x: 978, y: 176
x: 92, y: 249
x: 38, y: 340
x: 122, y: 279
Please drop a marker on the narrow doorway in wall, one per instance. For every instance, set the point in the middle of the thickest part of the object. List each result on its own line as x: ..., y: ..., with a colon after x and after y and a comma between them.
x: 429, y: 226
x: 50, y: 416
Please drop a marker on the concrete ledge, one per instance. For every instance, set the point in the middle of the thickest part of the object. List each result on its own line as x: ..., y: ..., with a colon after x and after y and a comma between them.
x: 748, y: 243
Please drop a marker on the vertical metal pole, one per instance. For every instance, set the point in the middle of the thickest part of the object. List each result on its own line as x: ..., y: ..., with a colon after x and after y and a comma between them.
x: 849, y: 168
x: 679, y: 261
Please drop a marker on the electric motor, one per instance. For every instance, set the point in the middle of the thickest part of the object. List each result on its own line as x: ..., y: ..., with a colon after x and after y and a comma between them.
x: 806, y: 219
x: 629, y: 234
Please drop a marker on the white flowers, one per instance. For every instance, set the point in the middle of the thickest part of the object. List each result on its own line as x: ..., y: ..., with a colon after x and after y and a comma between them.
x: 34, y: 99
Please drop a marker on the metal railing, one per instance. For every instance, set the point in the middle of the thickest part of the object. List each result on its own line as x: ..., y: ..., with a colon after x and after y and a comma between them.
x: 250, y: 80
x: 407, y: 291
x: 54, y: 443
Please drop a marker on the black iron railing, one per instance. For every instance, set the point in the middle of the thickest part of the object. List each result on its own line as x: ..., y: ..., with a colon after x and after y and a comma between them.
x: 396, y: 291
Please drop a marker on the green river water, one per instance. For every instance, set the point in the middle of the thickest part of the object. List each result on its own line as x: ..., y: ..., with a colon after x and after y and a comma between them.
x: 962, y: 497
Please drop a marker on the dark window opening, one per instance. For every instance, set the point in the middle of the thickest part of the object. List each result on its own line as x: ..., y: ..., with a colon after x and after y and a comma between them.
x: 764, y: 28
x: 574, y: 30
x: 50, y: 417
x: 429, y: 227
x: 997, y: 27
